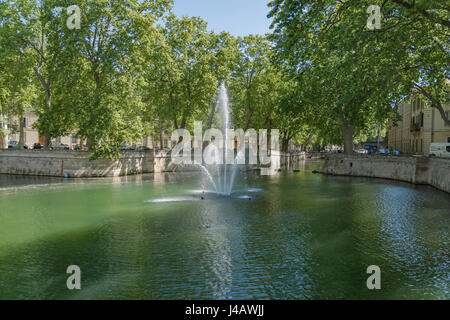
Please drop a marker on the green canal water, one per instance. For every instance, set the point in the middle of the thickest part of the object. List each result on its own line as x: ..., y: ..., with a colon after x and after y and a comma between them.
x: 301, y: 236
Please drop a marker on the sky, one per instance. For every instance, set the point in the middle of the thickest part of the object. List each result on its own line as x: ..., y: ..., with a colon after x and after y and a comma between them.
x: 238, y: 17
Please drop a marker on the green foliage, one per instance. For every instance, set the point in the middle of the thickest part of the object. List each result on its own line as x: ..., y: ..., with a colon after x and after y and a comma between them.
x: 348, y: 75
x: 179, y: 76
x: 320, y: 77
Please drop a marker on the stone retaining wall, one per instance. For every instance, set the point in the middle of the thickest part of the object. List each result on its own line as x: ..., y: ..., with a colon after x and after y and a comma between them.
x: 72, y: 164
x: 76, y: 164
x: 417, y: 170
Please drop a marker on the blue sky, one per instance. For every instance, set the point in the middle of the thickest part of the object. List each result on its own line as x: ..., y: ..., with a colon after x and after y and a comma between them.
x: 238, y: 17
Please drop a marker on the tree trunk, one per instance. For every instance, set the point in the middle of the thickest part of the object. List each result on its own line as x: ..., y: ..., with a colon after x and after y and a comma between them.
x: 435, y: 103
x: 3, y: 142
x: 48, y: 96
x: 438, y: 105
x: 347, y: 132
x: 249, y: 111
x: 378, y: 138
x: 268, y: 123
x: 21, y: 133
x: 3, y: 145
x: 89, y: 144
x: 211, y: 115
x: 160, y: 134
x: 184, y: 119
x: 285, y: 147
x: 47, y: 141
x: 284, y: 142
x: 249, y: 118
x: 213, y: 111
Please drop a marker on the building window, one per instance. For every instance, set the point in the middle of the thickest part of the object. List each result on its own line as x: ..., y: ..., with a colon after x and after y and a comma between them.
x: 447, y: 115
x: 25, y: 122
x: 448, y: 139
x: 74, y: 140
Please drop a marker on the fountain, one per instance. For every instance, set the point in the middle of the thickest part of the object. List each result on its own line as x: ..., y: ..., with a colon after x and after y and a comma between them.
x: 224, y: 174
x: 218, y: 174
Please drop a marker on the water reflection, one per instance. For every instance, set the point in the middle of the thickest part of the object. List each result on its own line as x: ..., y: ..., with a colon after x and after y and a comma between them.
x: 404, y: 237
x: 302, y: 236
x: 218, y: 254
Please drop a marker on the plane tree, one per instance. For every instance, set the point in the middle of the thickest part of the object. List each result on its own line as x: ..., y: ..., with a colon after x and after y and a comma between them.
x: 180, y: 73
x: 351, y: 77
x: 247, y: 85
x: 25, y: 28
x: 100, y: 90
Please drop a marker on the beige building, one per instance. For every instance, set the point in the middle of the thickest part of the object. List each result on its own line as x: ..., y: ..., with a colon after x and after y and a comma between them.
x: 419, y: 127
x: 32, y: 136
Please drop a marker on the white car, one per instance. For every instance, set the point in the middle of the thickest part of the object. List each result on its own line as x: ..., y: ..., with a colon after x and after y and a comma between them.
x: 362, y: 151
x: 440, y: 150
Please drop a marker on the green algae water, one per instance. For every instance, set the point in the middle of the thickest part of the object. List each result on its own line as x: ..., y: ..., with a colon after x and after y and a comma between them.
x: 288, y: 236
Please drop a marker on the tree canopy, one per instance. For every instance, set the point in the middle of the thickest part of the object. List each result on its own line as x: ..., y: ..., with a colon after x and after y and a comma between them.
x: 134, y: 69
x: 352, y: 77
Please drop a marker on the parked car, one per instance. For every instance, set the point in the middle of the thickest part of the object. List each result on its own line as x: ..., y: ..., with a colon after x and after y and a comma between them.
x: 370, y: 149
x: 77, y: 147
x: 440, y: 150
x: 144, y: 148
x: 166, y: 150
x: 126, y: 148
x: 361, y: 151
x: 61, y: 146
x: 384, y: 151
x: 37, y: 146
x: 15, y: 145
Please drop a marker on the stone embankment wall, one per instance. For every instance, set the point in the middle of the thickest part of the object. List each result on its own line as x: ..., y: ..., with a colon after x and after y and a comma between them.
x: 72, y: 164
x: 76, y: 164
x: 417, y: 170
